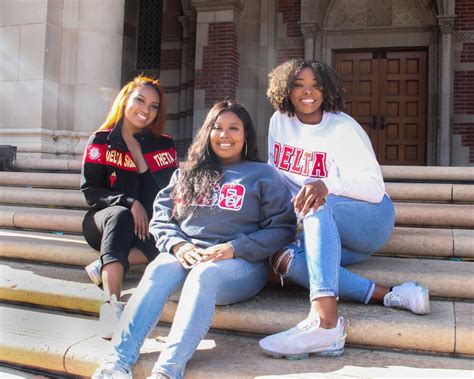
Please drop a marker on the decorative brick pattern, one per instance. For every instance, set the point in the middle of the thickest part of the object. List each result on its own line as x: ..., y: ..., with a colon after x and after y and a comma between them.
x: 291, y: 14
x: 219, y: 76
x: 464, y: 80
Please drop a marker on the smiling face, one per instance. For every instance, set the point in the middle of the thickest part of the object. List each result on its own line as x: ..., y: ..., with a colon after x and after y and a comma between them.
x: 227, y: 138
x: 307, y: 97
x: 141, y: 108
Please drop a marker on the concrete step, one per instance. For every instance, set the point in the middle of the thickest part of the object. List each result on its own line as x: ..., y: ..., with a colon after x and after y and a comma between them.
x: 63, y: 343
x: 24, y: 164
x: 432, y: 173
x: 65, y: 220
x: 62, y: 198
x: 432, y: 192
x: 429, y: 173
x: 40, y: 179
x: 449, y: 327
x: 61, y: 220
x: 69, y: 249
x: 447, y: 279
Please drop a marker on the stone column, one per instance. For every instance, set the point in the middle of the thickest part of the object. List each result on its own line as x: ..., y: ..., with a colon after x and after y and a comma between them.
x: 312, y: 40
x: 217, y: 56
x: 62, y: 71
x: 446, y: 25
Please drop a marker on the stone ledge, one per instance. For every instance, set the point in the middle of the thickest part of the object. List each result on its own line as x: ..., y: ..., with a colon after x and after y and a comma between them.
x: 272, y: 310
x: 69, y: 344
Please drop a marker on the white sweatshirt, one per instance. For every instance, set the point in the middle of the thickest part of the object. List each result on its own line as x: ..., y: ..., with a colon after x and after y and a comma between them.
x: 336, y: 151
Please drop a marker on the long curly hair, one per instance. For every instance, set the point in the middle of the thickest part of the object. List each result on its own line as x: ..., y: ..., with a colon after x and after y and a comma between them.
x: 282, y: 79
x: 117, y: 109
x: 201, y: 169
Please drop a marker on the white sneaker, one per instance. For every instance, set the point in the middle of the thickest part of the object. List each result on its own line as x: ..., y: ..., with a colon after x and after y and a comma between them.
x: 304, y: 339
x: 110, y: 371
x: 110, y: 312
x: 409, y: 296
x: 93, y: 270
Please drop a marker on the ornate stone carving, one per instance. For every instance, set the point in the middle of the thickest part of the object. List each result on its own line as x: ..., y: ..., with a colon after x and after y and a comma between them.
x: 310, y: 30
x: 413, y: 12
x: 446, y: 24
x: 379, y: 13
x: 349, y: 14
x: 464, y: 36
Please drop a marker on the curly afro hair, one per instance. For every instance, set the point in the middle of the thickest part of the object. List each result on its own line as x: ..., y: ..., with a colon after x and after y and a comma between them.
x: 282, y: 79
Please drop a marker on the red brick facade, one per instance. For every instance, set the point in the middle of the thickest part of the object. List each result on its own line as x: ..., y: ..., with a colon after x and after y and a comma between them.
x: 290, y: 11
x: 464, y: 80
x: 219, y: 76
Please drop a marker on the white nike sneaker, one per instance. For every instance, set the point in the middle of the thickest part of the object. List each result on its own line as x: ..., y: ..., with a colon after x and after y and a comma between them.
x: 93, y: 270
x: 111, y: 371
x: 411, y: 296
x: 304, y: 339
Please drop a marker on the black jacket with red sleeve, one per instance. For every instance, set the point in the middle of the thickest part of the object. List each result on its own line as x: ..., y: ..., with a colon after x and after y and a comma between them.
x: 109, y: 175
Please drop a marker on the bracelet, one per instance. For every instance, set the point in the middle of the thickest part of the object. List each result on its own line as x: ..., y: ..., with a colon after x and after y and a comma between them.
x: 233, y: 250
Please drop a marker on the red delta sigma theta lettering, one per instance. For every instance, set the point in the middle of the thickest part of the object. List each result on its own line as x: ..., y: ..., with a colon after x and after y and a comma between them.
x: 298, y: 161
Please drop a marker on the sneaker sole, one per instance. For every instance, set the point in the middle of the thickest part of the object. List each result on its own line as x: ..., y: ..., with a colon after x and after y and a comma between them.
x: 97, y: 280
x: 295, y: 357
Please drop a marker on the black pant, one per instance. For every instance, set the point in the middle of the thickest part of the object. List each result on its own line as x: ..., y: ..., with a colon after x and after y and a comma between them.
x: 110, y: 230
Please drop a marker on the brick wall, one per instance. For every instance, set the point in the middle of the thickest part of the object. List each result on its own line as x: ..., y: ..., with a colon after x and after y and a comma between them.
x: 293, y: 44
x: 219, y: 76
x: 172, y: 31
x: 464, y: 80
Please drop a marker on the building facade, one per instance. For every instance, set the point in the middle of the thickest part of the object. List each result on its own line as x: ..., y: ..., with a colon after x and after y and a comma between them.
x: 408, y: 66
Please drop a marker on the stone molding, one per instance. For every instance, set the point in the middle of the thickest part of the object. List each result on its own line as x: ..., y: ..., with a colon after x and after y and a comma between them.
x: 464, y: 36
x: 446, y: 24
x: 218, y: 5
x: 310, y: 29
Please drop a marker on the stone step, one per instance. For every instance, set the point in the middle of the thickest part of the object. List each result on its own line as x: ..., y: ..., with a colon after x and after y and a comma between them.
x: 432, y: 192
x: 40, y: 179
x: 68, y: 220
x: 60, y: 220
x: 68, y: 344
x: 25, y: 164
x: 62, y: 198
x: 69, y: 249
x: 432, y: 173
x: 428, y: 173
x: 70, y: 288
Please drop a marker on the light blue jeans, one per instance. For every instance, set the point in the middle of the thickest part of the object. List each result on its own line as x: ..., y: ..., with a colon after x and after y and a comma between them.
x: 342, y: 232
x: 206, y: 285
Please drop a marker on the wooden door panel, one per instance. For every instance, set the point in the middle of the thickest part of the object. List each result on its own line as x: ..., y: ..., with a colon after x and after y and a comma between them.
x: 390, y: 89
x: 359, y: 75
x: 403, y: 106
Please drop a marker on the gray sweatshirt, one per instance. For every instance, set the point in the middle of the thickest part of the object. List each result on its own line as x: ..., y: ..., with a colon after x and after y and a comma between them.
x: 250, y: 208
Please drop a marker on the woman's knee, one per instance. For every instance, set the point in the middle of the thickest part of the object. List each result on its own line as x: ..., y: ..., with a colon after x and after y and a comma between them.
x: 120, y: 217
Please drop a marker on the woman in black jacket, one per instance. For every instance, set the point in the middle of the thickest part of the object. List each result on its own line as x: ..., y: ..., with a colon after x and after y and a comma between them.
x: 126, y: 162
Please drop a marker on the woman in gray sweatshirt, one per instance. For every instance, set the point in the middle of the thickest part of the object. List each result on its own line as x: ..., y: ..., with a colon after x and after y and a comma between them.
x: 222, y: 215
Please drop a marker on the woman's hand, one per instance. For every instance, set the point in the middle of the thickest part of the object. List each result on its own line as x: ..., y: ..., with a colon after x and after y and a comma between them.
x: 187, y: 254
x: 140, y: 220
x: 310, y: 196
x: 218, y: 253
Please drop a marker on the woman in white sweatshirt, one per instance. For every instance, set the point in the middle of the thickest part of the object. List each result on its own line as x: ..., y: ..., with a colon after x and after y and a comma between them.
x: 327, y: 162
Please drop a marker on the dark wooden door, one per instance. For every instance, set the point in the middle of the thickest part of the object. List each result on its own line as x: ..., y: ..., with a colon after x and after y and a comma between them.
x: 386, y: 93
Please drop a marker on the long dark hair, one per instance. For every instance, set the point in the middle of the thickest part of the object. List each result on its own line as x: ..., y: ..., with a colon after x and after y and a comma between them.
x: 201, y: 169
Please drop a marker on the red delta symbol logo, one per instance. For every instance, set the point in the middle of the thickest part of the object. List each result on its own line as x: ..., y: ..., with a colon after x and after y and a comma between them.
x: 231, y: 197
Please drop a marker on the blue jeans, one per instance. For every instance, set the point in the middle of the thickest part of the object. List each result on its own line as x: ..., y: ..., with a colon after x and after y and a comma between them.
x: 206, y: 285
x: 342, y: 232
